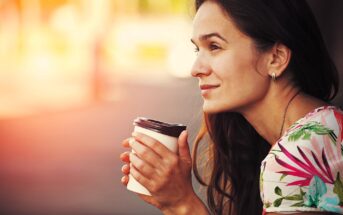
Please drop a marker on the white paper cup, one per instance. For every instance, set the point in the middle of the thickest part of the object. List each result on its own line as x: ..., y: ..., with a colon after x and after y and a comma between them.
x: 166, y: 133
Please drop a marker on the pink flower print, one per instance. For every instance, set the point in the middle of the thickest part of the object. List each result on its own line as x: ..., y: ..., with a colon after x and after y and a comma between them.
x: 306, y: 169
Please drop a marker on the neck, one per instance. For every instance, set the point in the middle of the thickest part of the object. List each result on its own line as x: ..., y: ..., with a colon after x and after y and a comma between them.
x: 269, y: 115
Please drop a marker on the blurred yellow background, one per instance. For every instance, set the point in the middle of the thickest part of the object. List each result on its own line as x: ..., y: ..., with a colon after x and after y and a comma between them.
x: 58, y: 54
x: 73, y: 76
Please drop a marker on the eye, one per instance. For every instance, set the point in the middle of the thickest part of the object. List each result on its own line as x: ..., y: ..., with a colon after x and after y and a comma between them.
x: 214, y: 46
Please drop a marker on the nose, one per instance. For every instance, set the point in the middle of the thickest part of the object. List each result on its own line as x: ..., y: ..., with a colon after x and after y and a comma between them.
x: 200, y: 67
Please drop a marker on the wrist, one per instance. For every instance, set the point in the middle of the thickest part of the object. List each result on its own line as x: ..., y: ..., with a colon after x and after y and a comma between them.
x: 188, y: 206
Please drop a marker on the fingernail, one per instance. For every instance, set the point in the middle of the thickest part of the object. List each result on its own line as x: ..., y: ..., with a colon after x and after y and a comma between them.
x: 123, y: 167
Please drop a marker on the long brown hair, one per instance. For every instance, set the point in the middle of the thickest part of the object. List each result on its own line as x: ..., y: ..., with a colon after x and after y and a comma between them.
x: 235, y: 149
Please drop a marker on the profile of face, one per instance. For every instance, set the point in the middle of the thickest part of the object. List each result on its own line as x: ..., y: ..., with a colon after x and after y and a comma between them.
x: 231, y: 71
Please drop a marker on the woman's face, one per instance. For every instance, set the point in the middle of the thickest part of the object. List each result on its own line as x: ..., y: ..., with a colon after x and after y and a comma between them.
x: 231, y: 72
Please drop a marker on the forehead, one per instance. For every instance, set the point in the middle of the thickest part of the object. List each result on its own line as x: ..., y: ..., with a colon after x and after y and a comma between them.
x: 211, y: 17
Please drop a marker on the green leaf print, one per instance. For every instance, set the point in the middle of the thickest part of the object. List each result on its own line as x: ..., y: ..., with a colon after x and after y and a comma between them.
x: 282, y: 177
x: 302, y: 192
x: 294, y: 197
x: 278, y: 191
x: 267, y: 204
x: 277, y: 202
x: 312, y: 127
x: 275, y: 150
x: 338, y: 189
x: 307, y: 136
x: 296, y: 135
x: 298, y: 204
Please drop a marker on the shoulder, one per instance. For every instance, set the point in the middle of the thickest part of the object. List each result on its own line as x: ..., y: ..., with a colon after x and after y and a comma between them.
x: 304, y: 170
x: 323, y: 122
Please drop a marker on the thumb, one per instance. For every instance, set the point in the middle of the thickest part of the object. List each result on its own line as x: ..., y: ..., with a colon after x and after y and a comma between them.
x: 183, y: 146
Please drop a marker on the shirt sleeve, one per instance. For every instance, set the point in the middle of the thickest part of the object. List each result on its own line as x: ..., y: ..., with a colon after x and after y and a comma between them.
x: 303, y: 171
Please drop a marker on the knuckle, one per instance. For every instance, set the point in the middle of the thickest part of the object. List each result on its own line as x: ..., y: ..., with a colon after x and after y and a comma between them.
x: 136, y: 175
x: 155, y: 144
x: 169, y: 172
x: 144, y: 152
x: 154, y: 187
x: 173, y: 161
x: 136, y: 161
x: 139, y: 165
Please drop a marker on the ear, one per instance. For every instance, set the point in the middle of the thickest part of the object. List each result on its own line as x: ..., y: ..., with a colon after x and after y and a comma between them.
x: 280, y: 57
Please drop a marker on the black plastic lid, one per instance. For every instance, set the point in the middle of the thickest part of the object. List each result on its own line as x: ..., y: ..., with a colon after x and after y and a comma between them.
x: 169, y: 129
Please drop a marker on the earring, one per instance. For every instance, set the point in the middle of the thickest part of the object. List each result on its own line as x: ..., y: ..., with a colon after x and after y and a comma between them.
x: 273, y: 76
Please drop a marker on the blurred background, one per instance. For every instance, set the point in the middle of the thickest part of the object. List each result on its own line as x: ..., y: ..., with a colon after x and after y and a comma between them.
x: 73, y: 76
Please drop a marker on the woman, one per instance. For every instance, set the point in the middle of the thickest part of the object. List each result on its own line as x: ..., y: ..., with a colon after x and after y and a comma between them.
x: 266, y: 79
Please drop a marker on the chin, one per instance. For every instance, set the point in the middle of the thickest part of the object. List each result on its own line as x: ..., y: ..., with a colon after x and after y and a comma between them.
x: 213, y: 109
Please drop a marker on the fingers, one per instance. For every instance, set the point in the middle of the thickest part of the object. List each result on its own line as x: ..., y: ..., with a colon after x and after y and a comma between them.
x: 153, y: 144
x: 140, y: 177
x: 125, y: 143
x: 184, y: 151
x: 126, y: 169
x: 125, y: 157
x: 167, y: 157
x: 145, y: 153
x: 140, y: 165
x: 125, y: 180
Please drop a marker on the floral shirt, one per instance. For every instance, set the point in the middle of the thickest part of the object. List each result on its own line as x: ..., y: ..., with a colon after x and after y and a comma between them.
x: 304, y: 169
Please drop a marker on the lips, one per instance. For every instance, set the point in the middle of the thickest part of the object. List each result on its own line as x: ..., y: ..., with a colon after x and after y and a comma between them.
x: 208, y: 86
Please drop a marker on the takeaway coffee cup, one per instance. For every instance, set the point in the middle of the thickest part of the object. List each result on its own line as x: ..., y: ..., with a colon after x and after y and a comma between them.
x: 166, y: 133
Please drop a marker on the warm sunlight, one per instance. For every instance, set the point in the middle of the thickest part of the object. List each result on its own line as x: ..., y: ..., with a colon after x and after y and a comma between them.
x: 59, y: 54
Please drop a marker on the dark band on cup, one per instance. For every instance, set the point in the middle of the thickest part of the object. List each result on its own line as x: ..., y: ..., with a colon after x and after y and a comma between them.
x: 169, y: 129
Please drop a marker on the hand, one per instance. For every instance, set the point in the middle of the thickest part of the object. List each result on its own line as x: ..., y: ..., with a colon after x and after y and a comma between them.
x: 125, y: 157
x: 165, y: 174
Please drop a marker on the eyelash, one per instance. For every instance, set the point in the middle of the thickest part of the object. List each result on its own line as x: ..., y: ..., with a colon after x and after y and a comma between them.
x: 211, y: 47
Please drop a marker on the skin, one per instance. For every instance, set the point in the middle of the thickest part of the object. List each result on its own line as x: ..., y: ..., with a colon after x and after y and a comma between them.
x: 165, y: 174
x: 240, y: 74
x: 233, y: 76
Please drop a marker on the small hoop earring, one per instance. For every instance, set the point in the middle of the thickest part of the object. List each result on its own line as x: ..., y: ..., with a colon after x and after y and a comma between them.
x: 273, y: 76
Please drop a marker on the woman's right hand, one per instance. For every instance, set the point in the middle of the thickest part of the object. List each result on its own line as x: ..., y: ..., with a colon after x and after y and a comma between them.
x: 165, y: 174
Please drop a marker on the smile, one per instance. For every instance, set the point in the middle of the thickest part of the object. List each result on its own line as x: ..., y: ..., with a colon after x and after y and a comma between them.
x: 206, y: 88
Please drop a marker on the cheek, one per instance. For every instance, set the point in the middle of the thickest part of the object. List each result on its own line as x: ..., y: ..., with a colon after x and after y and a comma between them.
x: 237, y: 70
x: 241, y: 86
x: 242, y: 82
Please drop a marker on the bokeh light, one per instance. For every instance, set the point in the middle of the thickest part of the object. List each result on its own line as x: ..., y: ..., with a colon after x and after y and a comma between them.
x: 62, y: 54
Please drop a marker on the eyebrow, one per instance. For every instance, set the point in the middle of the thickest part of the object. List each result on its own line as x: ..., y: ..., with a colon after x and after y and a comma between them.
x: 208, y: 36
